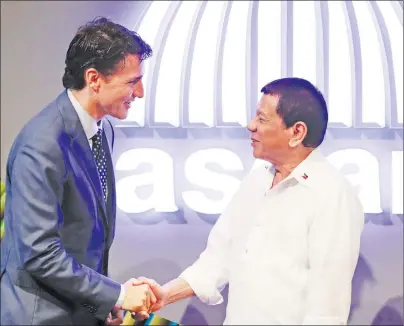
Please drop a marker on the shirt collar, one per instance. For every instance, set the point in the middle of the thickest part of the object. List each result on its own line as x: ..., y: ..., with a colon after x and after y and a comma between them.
x: 87, y: 121
x: 306, y: 173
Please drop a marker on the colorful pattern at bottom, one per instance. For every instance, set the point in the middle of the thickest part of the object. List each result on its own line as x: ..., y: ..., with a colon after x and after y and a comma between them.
x: 152, y: 320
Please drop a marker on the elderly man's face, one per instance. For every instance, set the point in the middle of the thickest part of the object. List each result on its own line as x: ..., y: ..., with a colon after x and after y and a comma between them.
x: 269, y: 136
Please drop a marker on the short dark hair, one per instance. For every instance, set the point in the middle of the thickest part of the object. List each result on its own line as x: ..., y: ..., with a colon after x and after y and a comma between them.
x: 100, y: 44
x: 299, y: 100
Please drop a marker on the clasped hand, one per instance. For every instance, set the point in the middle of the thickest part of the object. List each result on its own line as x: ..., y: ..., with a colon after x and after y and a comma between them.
x: 142, y: 296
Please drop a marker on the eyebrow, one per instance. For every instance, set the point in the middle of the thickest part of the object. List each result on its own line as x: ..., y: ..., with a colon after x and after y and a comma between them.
x: 135, y: 79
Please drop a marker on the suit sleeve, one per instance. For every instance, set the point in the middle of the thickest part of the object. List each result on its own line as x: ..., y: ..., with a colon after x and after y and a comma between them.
x: 37, y: 194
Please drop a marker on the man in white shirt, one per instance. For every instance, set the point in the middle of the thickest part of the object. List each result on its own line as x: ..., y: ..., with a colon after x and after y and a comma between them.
x: 288, y: 243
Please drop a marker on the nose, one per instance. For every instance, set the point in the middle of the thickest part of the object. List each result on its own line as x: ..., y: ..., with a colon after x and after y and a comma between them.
x: 252, y: 126
x: 138, y: 89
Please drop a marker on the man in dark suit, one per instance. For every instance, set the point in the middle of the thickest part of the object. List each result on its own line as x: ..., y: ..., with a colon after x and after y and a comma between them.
x: 60, y: 209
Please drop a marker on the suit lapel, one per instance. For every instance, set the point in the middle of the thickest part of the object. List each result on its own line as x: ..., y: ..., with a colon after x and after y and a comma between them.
x: 111, y: 200
x: 81, y: 148
x: 84, y: 156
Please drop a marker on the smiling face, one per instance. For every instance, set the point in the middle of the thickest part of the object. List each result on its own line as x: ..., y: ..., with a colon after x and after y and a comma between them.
x: 269, y: 136
x: 114, y: 93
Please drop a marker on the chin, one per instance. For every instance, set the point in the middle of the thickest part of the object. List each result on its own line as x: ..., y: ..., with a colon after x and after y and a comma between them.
x: 256, y: 154
x: 121, y: 115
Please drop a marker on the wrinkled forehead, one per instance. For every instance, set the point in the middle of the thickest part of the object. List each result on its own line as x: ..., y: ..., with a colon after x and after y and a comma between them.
x: 268, y: 103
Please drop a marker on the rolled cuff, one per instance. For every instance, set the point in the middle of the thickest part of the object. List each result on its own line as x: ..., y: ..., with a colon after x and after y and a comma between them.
x: 204, y: 287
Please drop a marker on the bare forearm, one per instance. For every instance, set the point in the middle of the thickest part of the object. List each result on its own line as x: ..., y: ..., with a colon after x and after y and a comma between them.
x: 176, y: 290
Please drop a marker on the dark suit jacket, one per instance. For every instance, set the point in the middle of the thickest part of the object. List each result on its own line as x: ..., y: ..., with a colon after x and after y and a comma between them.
x: 54, y: 254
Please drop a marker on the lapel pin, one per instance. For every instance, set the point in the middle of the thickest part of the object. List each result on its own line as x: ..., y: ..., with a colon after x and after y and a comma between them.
x: 305, y: 176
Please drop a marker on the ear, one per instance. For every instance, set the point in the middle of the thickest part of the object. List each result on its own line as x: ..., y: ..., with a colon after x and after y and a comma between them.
x: 93, y: 78
x: 298, y: 133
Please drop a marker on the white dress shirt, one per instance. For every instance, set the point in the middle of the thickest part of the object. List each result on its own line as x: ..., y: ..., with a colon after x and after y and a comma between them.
x: 288, y: 253
x: 90, y: 127
x: 88, y: 123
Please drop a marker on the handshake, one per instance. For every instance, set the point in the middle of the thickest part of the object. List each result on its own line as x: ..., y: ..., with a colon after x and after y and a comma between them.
x: 142, y: 297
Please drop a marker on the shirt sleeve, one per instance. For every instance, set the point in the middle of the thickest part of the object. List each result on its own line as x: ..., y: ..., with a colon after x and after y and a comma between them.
x: 334, y: 240
x: 208, y: 275
x: 121, y: 298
